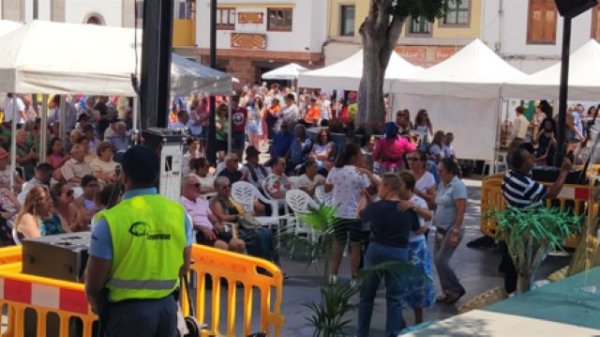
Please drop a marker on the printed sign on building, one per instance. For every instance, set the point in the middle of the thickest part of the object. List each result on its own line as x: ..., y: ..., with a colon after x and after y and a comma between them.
x: 248, y: 41
x: 251, y: 18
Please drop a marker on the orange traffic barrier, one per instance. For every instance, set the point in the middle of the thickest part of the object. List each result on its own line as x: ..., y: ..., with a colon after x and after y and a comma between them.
x: 573, y: 198
x: 44, y: 307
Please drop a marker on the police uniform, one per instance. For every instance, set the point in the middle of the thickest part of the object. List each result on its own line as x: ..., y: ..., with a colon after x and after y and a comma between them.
x: 144, y: 238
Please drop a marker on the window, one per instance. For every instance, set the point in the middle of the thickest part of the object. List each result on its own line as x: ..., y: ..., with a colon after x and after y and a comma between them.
x: 419, y: 26
x: 541, y: 26
x: 596, y: 22
x: 279, y: 19
x: 458, y: 13
x: 184, y: 9
x: 95, y: 19
x: 226, y: 18
x: 347, y: 20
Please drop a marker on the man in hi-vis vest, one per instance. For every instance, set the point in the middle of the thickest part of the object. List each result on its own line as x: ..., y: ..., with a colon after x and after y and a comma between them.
x: 139, y: 250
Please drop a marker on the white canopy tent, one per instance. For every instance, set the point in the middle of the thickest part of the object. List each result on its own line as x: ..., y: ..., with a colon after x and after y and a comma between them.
x: 8, y: 26
x: 289, y: 72
x: 347, y: 73
x: 99, y: 63
x: 584, y: 78
x: 462, y: 95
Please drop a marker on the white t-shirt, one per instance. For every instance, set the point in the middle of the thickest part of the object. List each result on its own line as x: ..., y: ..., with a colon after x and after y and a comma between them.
x: 426, y: 182
x: 8, y: 109
x: 419, y: 202
x: 304, y: 181
x: 324, y: 107
x: 347, y: 184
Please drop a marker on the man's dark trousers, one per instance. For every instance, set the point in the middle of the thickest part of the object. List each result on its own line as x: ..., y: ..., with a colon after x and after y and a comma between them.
x: 148, y: 318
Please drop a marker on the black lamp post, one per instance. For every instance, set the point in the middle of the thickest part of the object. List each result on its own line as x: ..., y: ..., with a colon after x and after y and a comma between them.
x: 568, y: 9
x: 211, y: 152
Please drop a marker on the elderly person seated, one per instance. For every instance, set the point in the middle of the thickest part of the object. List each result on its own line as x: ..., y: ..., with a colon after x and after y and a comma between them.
x: 277, y: 183
x: 36, y: 217
x: 27, y: 153
x: 105, y: 168
x: 310, y: 179
x: 42, y: 177
x: 255, y: 171
x: 119, y: 140
x: 211, y: 231
x: 200, y: 169
x: 259, y: 241
x: 232, y: 169
x: 75, y: 168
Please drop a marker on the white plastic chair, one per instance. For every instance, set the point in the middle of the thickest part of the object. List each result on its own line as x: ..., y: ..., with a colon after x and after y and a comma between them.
x: 245, y: 193
x: 300, y: 203
x: 15, y: 234
x: 321, y: 196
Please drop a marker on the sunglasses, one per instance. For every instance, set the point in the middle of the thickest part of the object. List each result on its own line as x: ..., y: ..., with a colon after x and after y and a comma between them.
x: 413, y: 159
x: 69, y: 193
x: 197, y: 185
x: 92, y: 185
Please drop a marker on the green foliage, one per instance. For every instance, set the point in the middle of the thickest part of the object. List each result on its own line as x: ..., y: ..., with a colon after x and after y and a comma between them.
x: 531, y: 233
x: 321, y: 219
x: 429, y: 9
x: 550, y: 226
x: 327, y: 315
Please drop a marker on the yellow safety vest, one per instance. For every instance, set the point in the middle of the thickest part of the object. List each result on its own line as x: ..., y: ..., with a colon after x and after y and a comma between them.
x: 148, y: 239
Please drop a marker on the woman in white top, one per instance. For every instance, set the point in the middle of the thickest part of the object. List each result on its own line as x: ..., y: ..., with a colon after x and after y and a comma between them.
x: 348, y: 180
x: 105, y: 168
x: 309, y: 180
x: 423, y: 128
x: 419, y: 292
x: 425, y: 181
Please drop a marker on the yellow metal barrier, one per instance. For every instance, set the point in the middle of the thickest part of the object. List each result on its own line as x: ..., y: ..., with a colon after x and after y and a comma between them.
x: 58, y: 307
x: 573, y: 197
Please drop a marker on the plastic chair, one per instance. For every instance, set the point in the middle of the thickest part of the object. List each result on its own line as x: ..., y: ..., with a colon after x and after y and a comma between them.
x: 321, y: 196
x: 300, y: 203
x: 15, y: 234
x: 245, y: 193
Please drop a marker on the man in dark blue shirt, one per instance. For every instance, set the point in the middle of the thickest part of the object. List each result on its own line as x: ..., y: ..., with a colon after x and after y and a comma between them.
x: 282, y: 141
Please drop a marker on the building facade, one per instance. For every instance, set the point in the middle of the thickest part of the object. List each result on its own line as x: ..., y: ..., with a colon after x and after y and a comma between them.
x: 528, y: 33
x: 421, y: 42
x: 254, y: 37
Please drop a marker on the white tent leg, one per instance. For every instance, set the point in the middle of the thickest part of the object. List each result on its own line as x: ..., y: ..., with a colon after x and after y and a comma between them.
x: 13, y: 143
x: 61, y: 119
x: 44, y: 129
x: 136, y: 118
x: 229, y: 135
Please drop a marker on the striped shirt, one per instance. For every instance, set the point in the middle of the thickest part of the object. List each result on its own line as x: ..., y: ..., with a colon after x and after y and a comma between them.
x: 521, y: 191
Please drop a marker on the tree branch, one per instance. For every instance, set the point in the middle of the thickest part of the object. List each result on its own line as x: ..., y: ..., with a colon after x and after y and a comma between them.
x: 383, y: 12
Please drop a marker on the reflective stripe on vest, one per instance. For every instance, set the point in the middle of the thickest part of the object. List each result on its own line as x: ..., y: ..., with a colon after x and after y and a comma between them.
x: 148, y: 239
x: 143, y: 284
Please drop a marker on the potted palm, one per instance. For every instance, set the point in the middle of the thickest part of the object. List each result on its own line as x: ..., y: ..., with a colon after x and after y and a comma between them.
x: 329, y: 315
x: 531, y: 234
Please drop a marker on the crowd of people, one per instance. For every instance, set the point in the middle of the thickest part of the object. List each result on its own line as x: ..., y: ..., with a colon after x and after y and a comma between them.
x: 407, y: 173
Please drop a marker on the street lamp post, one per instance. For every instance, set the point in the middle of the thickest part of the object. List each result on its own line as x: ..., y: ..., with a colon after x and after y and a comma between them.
x: 211, y: 152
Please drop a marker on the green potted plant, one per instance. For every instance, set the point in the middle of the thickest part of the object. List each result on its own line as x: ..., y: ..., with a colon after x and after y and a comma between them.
x: 531, y: 234
x: 329, y: 315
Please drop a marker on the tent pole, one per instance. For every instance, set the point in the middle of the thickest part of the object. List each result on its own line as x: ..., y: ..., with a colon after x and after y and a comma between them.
x: 13, y: 143
x: 229, y: 135
x: 61, y: 118
x: 136, y: 111
x: 44, y: 128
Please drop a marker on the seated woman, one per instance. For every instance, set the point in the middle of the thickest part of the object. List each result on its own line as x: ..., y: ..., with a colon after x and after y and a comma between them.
x: 277, y: 183
x: 36, y: 218
x: 105, y: 168
x: 259, y: 241
x: 310, y: 179
x: 73, y: 217
x: 56, y: 156
x: 324, y: 150
x: 200, y: 169
x: 210, y: 231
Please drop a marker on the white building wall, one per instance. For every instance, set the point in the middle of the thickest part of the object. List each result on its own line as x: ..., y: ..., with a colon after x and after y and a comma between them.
x: 43, y: 10
x: 110, y: 11
x: 504, y: 29
x: 308, y: 25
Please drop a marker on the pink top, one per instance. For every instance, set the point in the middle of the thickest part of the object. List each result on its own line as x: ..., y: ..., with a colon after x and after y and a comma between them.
x: 55, y: 160
x: 390, y: 152
x: 198, y: 210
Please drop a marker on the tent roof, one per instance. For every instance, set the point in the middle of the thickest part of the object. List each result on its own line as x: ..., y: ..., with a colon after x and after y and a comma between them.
x: 347, y: 73
x: 288, y: 72
x: 8, y: 26
x: 473, y: 72
x: 584, y: 75
x: 99, y: 63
